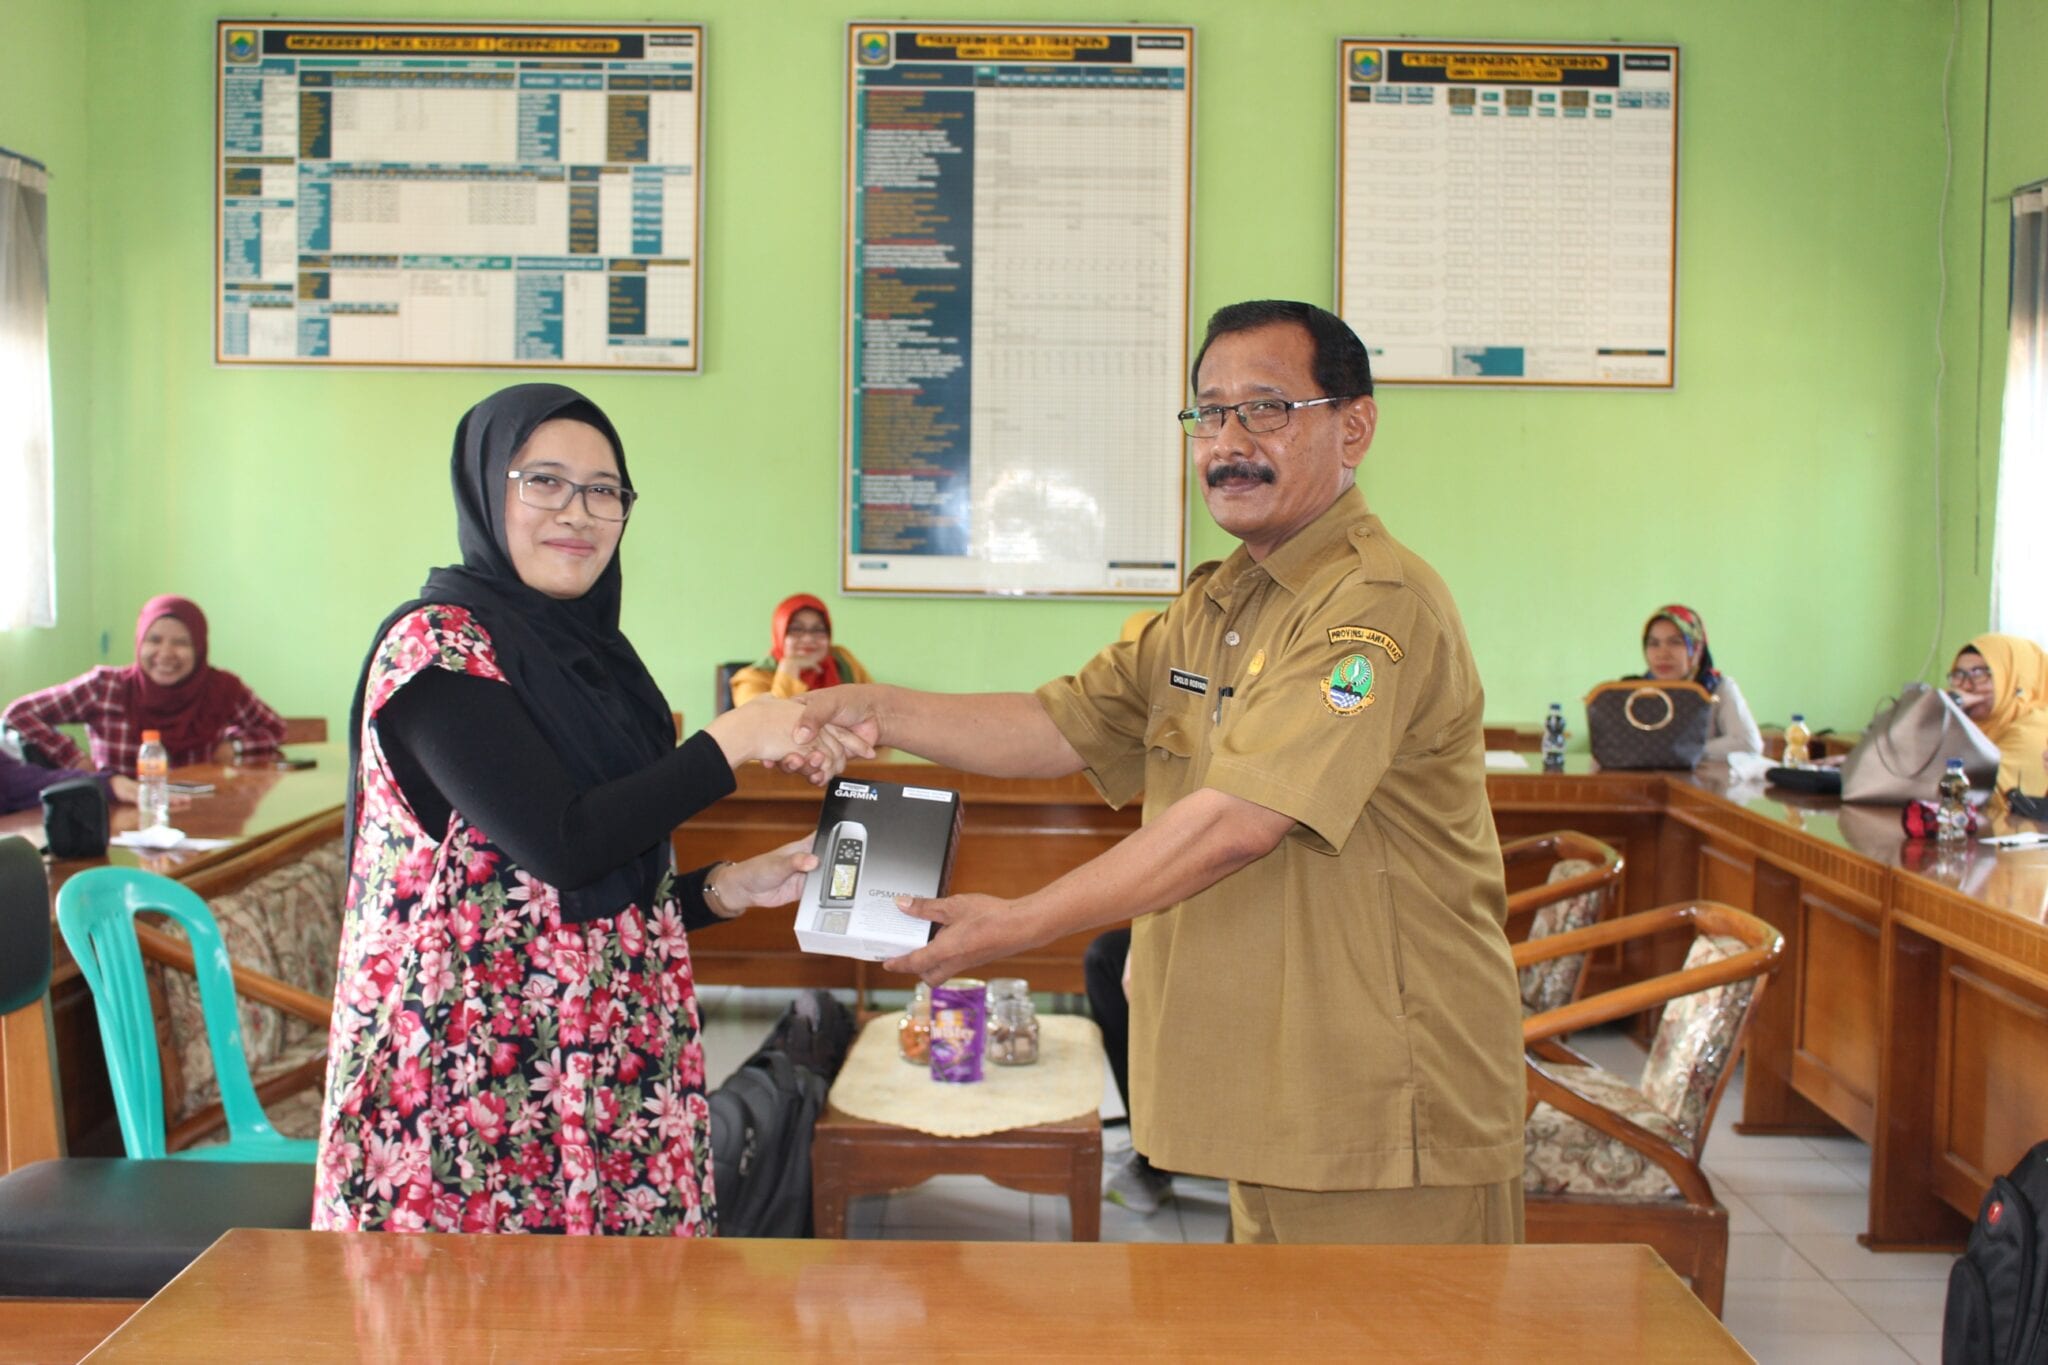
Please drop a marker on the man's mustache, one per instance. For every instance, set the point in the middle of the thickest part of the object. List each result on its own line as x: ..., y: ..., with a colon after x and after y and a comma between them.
x: 1243, y: 469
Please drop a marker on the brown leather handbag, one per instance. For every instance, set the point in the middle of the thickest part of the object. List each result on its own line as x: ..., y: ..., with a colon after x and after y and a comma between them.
x: 1646, y: 723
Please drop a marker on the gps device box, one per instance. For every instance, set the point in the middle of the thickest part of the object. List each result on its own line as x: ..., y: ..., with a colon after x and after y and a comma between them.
x: 876, y: 841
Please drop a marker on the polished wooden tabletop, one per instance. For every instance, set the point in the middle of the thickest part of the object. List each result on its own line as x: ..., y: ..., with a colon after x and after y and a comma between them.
x: 246, y: 803
x: 2011, y: 880
x: 305, y: 1297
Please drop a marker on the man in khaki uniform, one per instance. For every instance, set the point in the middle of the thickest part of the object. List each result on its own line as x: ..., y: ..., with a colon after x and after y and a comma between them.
x: 1323, y: 1006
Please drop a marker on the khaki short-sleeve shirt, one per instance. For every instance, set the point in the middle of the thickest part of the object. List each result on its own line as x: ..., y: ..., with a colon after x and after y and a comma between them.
x: 1341, y: 1014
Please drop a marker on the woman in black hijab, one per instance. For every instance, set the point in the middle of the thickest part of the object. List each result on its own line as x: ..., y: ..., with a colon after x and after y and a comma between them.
x: 515, y: 1039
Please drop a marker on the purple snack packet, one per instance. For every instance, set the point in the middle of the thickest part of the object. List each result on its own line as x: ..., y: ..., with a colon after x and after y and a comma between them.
x: 959, y: 1029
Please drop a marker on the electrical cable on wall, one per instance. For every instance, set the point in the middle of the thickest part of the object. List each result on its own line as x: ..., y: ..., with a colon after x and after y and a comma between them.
x: 1948, y: 162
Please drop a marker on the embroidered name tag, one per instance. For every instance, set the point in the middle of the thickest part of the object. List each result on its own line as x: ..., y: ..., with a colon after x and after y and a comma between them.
x: 1364, y: 636
x: 1188, y: 682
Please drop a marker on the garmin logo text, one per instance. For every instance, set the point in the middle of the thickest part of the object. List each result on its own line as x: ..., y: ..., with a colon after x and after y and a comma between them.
x: 856, y: 791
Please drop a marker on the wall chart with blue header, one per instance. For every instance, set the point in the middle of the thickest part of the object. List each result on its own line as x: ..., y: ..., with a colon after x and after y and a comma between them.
x: 1507, y: 213
x: 1017, y: 218
x: 419, y: 194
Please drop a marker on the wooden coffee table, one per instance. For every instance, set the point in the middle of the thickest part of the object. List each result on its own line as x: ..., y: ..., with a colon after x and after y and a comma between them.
x: 851, y: 1156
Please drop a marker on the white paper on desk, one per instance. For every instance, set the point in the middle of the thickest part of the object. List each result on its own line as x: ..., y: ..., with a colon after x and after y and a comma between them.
x: 1749, y: 767
x: 1505, y: 759
x: 164, y: 838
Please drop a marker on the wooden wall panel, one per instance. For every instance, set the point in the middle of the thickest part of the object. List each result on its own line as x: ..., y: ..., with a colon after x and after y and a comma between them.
x: 1841, y: 1012
x: 1990, y: 1103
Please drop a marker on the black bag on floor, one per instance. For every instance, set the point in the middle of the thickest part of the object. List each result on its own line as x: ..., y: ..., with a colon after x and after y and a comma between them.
x: 762, y: 1117
x: 1997, y: 1311
x: 816, y: 1031
x: 761, y: 1121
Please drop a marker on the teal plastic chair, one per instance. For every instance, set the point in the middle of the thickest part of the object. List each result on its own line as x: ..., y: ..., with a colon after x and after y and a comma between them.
x: 96, y: 911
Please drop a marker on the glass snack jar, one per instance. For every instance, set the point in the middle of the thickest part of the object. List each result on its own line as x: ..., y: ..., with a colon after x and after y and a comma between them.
x: 914, y: 1029
x: 1012, y: 1022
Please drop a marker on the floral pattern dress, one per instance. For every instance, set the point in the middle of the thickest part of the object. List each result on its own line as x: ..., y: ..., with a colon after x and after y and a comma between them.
x: 493, y: 1069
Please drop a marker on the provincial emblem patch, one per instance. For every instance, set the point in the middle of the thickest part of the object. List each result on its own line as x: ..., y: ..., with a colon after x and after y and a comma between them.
x: 1348, y: 689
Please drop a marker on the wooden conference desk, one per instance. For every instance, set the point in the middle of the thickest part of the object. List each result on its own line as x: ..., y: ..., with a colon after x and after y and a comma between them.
x: 336, y: 1296
x: 1912, y: 1010
x: 246, y: 806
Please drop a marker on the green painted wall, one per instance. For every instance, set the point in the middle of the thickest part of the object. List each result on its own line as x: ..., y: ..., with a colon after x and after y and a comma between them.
x: 43, y: 115
x: 1784, y: 489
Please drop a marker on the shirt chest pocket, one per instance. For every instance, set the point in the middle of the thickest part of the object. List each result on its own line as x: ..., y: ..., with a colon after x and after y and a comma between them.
x: 1174, y: 755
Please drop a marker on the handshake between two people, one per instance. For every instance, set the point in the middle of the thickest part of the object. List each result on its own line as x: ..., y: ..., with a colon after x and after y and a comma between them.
x: 815, y: 735
x: 765, y: 730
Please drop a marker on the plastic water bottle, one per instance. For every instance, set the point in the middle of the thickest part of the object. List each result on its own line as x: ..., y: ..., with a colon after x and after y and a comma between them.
x: 1952, y: 817
x: 1798, y: 743
x: 153, y: 777
x: 1553, y: 739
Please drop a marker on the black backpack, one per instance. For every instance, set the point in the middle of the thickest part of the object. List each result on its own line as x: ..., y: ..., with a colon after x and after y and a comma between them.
x: 1997, y: 1311
x: 762, y: 1117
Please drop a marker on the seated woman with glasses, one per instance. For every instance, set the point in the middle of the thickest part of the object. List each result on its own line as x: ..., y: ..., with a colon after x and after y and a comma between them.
x: 801, y: 655
x: 1675, y: 649
x: 170, y: 688
x: 2001, y: 682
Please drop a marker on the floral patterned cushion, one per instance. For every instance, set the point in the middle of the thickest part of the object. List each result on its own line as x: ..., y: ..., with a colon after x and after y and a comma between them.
x: 285, y: 924
x: 1547, y: 985
x: 1560, y: 1155
x: 1691, y: 1050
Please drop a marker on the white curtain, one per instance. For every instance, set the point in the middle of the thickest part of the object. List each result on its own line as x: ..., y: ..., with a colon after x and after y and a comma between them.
x: 28, y: 588
x: 2019, y: 566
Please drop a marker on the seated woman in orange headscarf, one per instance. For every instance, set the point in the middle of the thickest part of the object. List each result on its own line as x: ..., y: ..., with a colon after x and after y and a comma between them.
x: 802, y: 657
x: 2002, y: 683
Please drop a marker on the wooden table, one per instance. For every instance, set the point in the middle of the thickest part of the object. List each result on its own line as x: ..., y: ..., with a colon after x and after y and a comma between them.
x: 852, y: 1157
x: 246, y: 804
x: 248, y: 807
x: 313, y: 1297
x: 1912, y: 1009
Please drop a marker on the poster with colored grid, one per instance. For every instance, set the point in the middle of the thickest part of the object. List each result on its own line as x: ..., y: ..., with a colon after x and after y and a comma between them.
x: 524, y: 196
x: 1016, y: 312
x: 1507, y: 213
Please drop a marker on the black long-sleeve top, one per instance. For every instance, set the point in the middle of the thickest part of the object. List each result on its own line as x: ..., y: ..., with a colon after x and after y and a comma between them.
x: 460, y: 742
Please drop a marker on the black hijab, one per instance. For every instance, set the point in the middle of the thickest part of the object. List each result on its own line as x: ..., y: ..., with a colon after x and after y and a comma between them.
x: 579, y: 677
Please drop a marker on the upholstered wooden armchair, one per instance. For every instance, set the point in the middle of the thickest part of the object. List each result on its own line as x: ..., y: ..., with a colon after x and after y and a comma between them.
x: 1610, y: 1161
x: 1580, y: 885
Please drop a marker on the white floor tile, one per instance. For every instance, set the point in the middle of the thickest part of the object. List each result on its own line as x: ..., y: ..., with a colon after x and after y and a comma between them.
x: 1846, y: 1150
x: 1734, y: 1146
x: 1823, y: 1348
x: 1119, y: 1224
x: 864, y: 1215
x: 1767, y: 1308
x: 1611, y: 1048
x: 1201, y: 1222
x: 1741, y: 1217
x: 1803, y: 1175
x: 1765, y: 1256
x: 1899, y: 1305
x: 1801, y: 1213
x: 963, y: 1207
x: 1841, y: 1258
x: 1793, y: 1214
x: 1925, y: 1348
